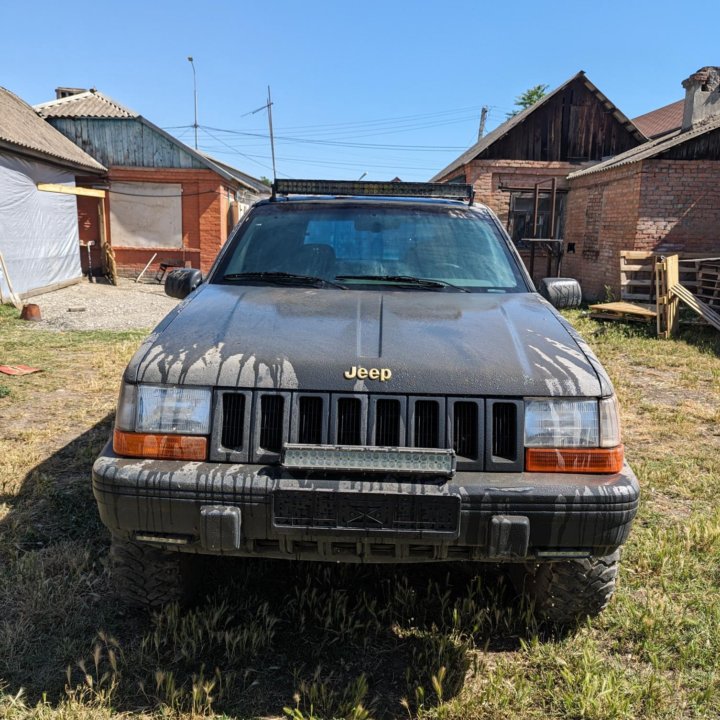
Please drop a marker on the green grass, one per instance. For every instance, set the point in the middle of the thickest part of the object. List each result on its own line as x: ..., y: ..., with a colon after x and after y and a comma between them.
x: 304, y: 641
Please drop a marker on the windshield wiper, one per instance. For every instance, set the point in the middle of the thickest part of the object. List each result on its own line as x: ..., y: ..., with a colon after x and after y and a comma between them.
x: 284, y: 278
x: 429, y: 283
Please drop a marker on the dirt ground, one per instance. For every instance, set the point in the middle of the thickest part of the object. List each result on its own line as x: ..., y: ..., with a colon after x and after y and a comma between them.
x: 101, y: 306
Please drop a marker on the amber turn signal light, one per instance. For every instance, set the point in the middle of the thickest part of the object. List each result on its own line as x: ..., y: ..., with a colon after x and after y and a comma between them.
x: 163, y: 447
x: 575, y: 460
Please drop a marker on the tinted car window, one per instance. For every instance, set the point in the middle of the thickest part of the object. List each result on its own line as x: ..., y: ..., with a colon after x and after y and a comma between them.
x: 456, y: 245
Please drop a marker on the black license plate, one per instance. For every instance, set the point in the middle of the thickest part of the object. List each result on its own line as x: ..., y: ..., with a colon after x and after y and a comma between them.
x: 386, y: 513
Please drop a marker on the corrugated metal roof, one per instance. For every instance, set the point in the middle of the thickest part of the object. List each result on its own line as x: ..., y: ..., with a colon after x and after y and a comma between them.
x: 514, y: 121
x: 23, y: 131
x: 662, y: 121
x: 89, y: 104
x: 651, y: 148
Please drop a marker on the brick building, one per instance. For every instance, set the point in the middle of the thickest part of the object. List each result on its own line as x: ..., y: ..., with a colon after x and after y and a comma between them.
x: 649, y: 184
x: 661, y: 197
x: 513, y: 167
x: 165, y: 198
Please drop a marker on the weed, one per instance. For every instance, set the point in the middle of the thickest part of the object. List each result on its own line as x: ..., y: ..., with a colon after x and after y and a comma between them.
x: 322, y: 641
x: 319, y: 697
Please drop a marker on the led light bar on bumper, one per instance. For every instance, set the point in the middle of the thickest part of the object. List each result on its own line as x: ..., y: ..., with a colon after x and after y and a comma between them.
x: 573, y: 436
x: 159, y: 421
x: 362, y: 458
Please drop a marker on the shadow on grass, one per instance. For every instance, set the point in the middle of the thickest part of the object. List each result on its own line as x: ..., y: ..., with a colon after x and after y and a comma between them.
x: 263, y: 635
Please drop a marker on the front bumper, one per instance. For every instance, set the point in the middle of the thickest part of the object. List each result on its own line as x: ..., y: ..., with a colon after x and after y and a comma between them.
x: 256, y: 510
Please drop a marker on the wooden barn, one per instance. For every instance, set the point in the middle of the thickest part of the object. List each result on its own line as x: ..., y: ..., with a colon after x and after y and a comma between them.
x: 520, y: 169
x: 166, y: 200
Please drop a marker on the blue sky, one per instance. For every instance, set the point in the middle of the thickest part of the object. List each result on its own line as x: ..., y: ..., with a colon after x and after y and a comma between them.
x: 347, y: 77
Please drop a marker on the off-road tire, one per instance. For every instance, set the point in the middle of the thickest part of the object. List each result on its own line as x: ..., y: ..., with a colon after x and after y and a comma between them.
x: 567, y: 592
x: 146, y: 577
x: 561, y: 292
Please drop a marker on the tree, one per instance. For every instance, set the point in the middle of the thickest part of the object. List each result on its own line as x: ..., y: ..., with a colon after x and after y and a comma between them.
x: 266, y: 181
x: 528, y: 98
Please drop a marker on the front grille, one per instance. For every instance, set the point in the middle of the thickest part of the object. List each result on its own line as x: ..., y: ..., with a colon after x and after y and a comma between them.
x: 387, y: 423
x: 271, y: 422
x: 233, y: 429
x: 253, y: 425
x: 310, y: 420
x: 504, y: 435
x: 465, y: 430
x: 349, y: 422
x: 427, y: 424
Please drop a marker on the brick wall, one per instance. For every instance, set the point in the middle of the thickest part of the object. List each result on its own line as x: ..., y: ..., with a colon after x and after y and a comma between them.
x: 493, y: 179
x: 601, y: 219
x: 679, y: 206
x: 204, y: 228
x: 655, y: 205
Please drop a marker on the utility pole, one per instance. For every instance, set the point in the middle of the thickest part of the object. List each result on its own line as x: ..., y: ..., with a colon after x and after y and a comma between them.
x: 195, y: 124
x: 483, y: 118
x: 272, y: 137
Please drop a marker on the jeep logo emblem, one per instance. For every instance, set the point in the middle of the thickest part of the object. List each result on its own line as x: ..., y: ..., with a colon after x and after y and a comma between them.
x: 361, y: 373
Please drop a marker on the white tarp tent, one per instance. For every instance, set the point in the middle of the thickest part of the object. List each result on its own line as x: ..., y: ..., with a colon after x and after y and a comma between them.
x: 38, y: 230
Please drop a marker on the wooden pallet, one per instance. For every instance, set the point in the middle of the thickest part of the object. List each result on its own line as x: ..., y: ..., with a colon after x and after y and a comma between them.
x: 708, y: 287
x: 622, y: 311
x: 637, y: 273
x: 637, y: 276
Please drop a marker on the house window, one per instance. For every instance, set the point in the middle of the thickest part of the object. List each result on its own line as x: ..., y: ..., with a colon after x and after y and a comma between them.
x: 522, y: 212
x: 146, y: 215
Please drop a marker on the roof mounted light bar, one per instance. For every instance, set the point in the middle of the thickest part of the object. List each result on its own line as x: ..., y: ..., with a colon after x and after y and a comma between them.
x: 454, y: 191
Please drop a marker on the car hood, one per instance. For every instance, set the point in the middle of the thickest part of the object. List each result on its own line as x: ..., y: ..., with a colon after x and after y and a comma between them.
x: 432, y: 342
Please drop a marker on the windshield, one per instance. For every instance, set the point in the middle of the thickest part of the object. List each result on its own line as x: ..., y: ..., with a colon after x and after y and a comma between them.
x: 361, y: 245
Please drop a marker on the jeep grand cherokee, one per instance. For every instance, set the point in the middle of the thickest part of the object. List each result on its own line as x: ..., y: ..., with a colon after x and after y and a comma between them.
x: 367, y: 374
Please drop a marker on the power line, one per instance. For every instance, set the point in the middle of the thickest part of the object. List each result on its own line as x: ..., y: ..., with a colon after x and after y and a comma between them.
x: 337, y: 143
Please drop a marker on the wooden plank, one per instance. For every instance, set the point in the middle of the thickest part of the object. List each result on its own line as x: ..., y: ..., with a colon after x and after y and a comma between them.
x: 645, y: 267
x: 70, y: 190
x: 624, y: 307
x: 701, y: 308
x: 13, y: 297
x: 636, y: 254
x: 672, y: 278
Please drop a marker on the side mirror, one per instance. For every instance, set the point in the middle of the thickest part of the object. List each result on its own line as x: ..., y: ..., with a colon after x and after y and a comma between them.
x: 561, y: 292
x: 181, y: 282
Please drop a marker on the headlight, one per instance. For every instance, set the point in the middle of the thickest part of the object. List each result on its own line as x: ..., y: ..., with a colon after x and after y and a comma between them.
x: 562, y: 423
x: 573, y: 436
x: 164, y: 409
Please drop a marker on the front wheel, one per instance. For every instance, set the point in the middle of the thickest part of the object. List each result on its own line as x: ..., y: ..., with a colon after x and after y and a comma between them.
x: 146, y: 577
x: 568, y: 591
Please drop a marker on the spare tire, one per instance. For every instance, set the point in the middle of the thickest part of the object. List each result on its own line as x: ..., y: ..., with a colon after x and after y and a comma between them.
x: 561, y: 292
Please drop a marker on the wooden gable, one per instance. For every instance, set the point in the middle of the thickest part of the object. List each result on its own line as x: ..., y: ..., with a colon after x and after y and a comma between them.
x: 125, y: 142
x: 574, y: 125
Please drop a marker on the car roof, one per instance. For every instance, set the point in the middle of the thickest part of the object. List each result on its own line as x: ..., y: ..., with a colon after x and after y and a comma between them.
x: 367, y: 199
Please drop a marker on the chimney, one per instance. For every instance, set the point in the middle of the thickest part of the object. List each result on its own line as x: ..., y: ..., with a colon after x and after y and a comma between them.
x: 63, y: 92
x: 702, y: 96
